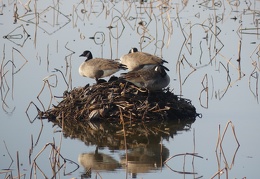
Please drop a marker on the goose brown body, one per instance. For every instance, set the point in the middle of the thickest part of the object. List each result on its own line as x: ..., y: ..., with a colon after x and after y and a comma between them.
x: 135, y: 60
x: 152, y: 78
x: 98, y: 67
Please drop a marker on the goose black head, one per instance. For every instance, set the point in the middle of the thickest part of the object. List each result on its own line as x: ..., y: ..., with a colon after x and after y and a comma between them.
x: 161, y: 69
x: 133, y: 50
x: 87, y: 54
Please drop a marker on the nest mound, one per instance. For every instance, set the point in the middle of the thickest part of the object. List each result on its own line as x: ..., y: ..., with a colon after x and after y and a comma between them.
x: 117, y: 99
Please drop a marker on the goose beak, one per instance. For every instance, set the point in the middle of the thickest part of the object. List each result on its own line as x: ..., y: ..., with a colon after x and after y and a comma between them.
x: 165, y: 68
x: 82, y: 55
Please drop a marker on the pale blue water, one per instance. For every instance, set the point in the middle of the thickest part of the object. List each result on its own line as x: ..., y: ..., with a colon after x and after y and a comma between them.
x: 201, y: 45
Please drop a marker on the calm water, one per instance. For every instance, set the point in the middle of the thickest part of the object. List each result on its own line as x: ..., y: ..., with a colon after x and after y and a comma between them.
x: 213, y: 52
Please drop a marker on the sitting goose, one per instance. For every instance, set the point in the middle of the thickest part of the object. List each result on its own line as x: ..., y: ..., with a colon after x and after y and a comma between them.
x: 135, y: 60
x: 98, y: 67
x: 151, y: 77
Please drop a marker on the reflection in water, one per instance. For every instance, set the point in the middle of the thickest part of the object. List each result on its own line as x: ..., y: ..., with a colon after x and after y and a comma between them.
x: 144, y: 158
x: 141, y: 142
x: 220, y: 150
x: 98, y: 161
x: 18, y: 36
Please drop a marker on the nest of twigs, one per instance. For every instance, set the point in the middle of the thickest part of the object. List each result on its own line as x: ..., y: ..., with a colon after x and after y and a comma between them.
x: 113, y: 100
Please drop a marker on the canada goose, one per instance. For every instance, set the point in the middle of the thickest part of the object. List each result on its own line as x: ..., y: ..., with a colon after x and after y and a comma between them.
x: 152, y: 78
x: 135, y: 60
x: 98, y: 67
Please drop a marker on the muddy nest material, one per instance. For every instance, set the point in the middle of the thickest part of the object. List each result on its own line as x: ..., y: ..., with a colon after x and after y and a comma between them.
x: 109, y: 100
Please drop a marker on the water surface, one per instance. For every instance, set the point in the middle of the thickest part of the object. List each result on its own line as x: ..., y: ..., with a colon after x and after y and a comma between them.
x: 213, y: 52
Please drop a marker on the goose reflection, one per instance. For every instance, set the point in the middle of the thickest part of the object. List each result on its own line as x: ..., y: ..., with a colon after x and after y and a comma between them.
x: 140, y: 159
x: 97, y: 161
x: 144, y: 159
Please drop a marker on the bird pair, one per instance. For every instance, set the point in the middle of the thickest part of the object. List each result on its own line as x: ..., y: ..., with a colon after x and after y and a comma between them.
x: 145, y: 70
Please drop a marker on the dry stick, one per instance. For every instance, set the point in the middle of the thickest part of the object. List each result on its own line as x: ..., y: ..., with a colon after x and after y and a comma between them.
x: 255, y: 94
x: 13, y: 75
x: 51, y: 96
x: 18, y: 165
x: 239, y: 59
x: 57, y: 15
x: 178, y: 63
x: 23, y: 58
x: 1, y: 7
x: 122, y: 120
x: 125, y: 16
x: 72, y: 16
x: 170, y: 30
x: 194, y: 154
x: 110, y: 42
x: 38, y: 96
x: 62, y: 76
x: 233, y: 159
x: 70, y: 65
x: 70, y: 73
x: 8, y: 153
x: 16, y: 16
x: 35, y: 164
x: 36, y: 22
x: 117, y: 39
x: 233, y: 129
x: 56, y: 80
x: 55, y: 156
x: 61, y: 134
x: 215, y: 27
x: 194, y: 149
x: 220, y: 172
x: 257, y: 28
x: 228, y: 80
x: 205, y: 88
x: 216, y: 150
x: 38, y: 138
x: 218, y: 141
x: 2, y: 71
x: 180, y: 172
x: 52, y: 157
x: 37, y: 167
x: 194, y: 69
x: 213, y: 87
x: 31, y: 151
x: 156, y: 32
x: 38, y: 110
x: 57, y: 152
x: 3, y: 79
x: 48, y: 62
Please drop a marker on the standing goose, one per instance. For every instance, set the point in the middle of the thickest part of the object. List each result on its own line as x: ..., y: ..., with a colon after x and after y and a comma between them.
x: 98, y: 67
x: 135, y: 60
x: 154, y: 78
